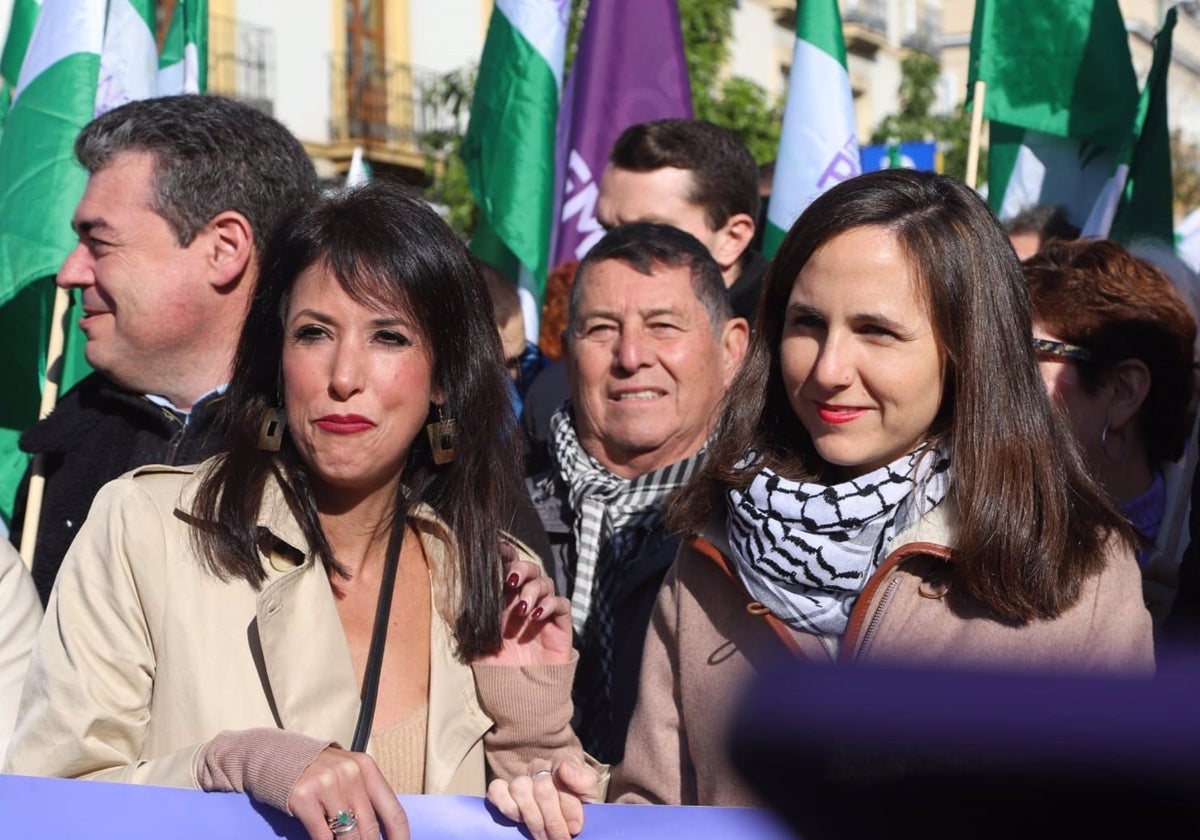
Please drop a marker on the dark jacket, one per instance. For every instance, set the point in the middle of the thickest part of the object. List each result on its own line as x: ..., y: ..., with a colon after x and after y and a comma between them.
x: 745, y: 291
x: 96, y: 433
x: 632, y: 607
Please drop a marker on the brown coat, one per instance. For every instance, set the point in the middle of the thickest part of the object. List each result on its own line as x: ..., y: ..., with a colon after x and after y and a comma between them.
x: 707, y: 637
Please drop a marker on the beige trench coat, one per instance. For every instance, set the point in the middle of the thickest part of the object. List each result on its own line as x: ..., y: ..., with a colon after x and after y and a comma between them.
x: 146, y: 655
x: 20, y: 615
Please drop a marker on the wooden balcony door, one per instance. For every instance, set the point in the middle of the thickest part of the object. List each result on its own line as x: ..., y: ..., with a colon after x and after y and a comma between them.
x: 366, y: 70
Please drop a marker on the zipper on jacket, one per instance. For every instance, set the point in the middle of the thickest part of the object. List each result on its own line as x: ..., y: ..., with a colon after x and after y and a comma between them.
x: 893, y: 584
x: 177, y: 438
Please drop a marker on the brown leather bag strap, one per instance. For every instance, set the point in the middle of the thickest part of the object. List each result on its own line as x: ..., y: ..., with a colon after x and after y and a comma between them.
x: 753, y: 607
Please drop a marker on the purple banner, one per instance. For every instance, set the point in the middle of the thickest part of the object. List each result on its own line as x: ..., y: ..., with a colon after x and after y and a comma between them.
x: 72, y: 810
x: 629, y: 69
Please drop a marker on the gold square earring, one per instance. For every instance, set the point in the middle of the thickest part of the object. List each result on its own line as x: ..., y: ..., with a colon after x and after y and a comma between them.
x: 270, y: 435
x: 441, y: 438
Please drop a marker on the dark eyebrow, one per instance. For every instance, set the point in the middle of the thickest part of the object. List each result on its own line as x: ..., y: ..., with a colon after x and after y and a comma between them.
x: 865, y: 317
x: 659, y: 310
x: 883, y: 321
x: 380, y: 321
x: 85, y: 227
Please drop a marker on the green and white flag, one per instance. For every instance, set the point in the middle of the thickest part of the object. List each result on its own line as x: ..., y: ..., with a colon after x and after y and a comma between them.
x: 819, y: 144
x: 20, y: 28
x: 509, y: 147
x: 73, y: 60
x: 1138, y: 200
x: 1061, y: 94
x: 183, y: 65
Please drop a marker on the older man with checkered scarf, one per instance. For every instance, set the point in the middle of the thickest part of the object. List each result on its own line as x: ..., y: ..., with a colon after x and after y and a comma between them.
x: 651, y: 345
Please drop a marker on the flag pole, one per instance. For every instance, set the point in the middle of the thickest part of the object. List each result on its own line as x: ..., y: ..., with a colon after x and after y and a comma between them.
x: 976, y: 132
x: 37, y: 480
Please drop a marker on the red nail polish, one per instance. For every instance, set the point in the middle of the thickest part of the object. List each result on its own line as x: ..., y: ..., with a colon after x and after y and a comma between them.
x: 522, y: 608
x: 536, y: 614
x: 513, y: 580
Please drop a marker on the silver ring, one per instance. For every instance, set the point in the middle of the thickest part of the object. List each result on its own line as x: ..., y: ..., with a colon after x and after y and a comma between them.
x: 343, y: 822
x: 542, y: 773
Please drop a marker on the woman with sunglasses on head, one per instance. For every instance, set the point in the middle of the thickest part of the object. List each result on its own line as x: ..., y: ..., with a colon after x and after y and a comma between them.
x: 887, y: 483
x: 327, y: 612
x: 1114, y: 342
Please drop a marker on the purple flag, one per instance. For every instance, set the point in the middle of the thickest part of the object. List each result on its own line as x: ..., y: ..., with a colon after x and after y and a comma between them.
x: 629, y: 69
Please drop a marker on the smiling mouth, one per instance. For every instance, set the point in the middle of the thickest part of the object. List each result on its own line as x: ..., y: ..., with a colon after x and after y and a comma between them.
x: 636, y: 396
x: 839, y: 414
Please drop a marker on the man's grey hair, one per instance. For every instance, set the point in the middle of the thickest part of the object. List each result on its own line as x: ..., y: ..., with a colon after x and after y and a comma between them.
x: 645, y: 246
x: 211, y: 155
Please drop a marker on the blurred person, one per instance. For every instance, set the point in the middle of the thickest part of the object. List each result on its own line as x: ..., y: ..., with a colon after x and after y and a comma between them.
x: 182, y: 193
x: 554, y: 309
x: 522, y: 359
x: 651, y: 345
x: 1034, y: 226
x: 340, y: 558
x: 887, y: 483
x: 1115, y: 345
x: 20, y: 615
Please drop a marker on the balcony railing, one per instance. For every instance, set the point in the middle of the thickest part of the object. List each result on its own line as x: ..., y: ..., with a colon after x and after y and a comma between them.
x: 241, y: 62
x: 387, y: 104
x: 870, y: 13
x: 927, y: 35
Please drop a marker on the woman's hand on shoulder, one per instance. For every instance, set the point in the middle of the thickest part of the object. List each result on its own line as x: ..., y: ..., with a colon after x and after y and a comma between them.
x: 343, y: 782
x: 535, y: 623
x: 549, y: 800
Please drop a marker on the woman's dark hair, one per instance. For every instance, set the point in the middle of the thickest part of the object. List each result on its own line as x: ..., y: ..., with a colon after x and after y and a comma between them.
x: 388, y: 250
x: 1096, y: 294
x: 1032, y: 523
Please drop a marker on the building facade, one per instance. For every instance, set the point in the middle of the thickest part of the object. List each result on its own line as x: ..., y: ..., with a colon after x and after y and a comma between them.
x: 347, y: 73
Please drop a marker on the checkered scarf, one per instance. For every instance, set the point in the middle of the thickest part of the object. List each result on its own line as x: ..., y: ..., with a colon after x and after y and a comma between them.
x: 611, y: 513
x: 806, y: 550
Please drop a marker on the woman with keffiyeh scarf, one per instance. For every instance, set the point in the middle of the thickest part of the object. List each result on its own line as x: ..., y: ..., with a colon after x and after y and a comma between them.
x: 887, y: 483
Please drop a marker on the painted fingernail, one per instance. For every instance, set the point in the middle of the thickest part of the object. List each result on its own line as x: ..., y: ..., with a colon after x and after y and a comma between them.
x: 522, y: 608
x: 536, y: 614
x: 513, y: 580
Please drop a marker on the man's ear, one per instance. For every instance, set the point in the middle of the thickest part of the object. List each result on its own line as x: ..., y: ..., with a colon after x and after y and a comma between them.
x: 735, y: 339
x: 733, y: 239
x: 1129, y: 381
x: 231, y: 248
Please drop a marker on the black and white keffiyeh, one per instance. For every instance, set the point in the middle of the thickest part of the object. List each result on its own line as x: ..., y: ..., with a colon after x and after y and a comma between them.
x: 606, y: 508
x: 806, y: 550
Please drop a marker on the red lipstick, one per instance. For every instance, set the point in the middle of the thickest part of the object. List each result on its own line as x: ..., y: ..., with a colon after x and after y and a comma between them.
x: 344, y: 424
x: 836, y: 415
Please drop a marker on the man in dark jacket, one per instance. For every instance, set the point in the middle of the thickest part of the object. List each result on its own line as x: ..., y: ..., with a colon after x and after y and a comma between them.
x: 651, y: 347
x: 182, y: 193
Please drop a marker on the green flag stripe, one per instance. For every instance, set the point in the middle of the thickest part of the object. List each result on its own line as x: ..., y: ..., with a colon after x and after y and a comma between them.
x: 1062, y: 68
x: 37, y: 160
x: 20, y: 27
x: 1147, y: 204
x: 772, y: 238
x: 818, y: 23
x: 509, y: 146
